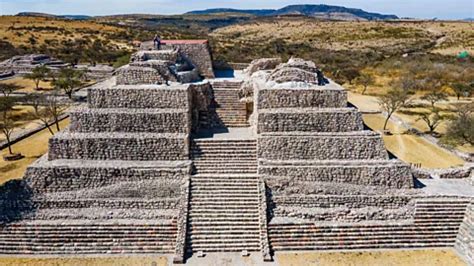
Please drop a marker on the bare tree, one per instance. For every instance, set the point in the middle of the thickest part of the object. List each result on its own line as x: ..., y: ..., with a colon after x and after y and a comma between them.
x: 461, y: 128
x: 7, y: 125
x: 7, y: 89
x: 68, y: 80
x: 55, y: 108
x: 434, y: 96
x: 365, y: 80
x: 38, y: 74
x: 40, y: 105
x: 392, y: 101
x: 463, y: 90
x: 432, y: 119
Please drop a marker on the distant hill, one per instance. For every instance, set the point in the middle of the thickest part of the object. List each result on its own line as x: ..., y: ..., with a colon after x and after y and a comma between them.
x: 324, y: 11
x: 45, y: 15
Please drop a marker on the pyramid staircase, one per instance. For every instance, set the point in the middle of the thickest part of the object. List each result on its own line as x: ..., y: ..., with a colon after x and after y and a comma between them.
x: 230, y: 111
x: 224, y: 202
x: 435, y: 225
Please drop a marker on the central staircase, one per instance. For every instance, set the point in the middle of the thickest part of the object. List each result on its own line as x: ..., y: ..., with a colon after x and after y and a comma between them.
x: 224, y: 208
x: 230, y: 111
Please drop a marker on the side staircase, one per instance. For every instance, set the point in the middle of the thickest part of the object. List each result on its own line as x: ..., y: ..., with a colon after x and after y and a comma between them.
x: 230, y: 111
x: 224, y: 202
x: 436, y: 223
x: 87, y: 238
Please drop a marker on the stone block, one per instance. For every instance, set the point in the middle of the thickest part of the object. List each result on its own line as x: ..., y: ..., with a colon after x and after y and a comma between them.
x: 84, y: 119
x: 119, y: 146
x: 363, y: 145
x: 68, y: 175
x: 385, y: 173
x: 140, y: 96
x: 329, y: 96
x: 309, y: 120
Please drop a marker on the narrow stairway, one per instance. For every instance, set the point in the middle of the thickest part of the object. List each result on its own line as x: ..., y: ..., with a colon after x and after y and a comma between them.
x: 224, y: 209
x: 230, y: 111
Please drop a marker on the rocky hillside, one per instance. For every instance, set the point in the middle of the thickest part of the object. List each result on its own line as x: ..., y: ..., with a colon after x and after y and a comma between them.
x: 322, y: 11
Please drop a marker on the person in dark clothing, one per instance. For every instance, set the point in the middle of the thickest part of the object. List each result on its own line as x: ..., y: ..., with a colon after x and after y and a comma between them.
x: 157, y: 42
x: 321, y: 78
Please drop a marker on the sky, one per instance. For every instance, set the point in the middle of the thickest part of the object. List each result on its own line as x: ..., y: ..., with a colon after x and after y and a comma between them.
x: 443, y: 9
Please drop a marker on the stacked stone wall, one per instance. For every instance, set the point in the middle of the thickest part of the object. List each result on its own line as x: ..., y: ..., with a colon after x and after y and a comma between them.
x: 197, y: 53
x: 130, y: 120
x: 465, y: 238
x: 309, y: 120
x: 119, y: 146
x: 320, y: 146
x: 130, y: 75
x: 170, y: 203
x: 317, y: 97
x: 394, y: 175
x: 58, y: 176
x: 143, y: 96
x: 353, y: 201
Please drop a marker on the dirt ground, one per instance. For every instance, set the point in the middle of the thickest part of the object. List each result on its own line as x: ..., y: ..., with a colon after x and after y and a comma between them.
x: 28, y: 85
x: 32, y: 148
x: 431, y: 257
x: 411, y: 148
x: 90, y: 261
x: 374, y: 258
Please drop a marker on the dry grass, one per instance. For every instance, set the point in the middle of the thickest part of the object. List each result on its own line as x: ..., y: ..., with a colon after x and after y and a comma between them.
x: 88, y: 261
x: 28, y: 85
x: 24, y: 119
x: 433, y: 257
x: 32, y: 148
x: 411, y: 148
x: 15, y: 29
x: 350, y: 35
x: 368, y: 103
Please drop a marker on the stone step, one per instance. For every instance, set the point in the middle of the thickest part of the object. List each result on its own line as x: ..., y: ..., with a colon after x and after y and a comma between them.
x: 233, y: 183
x: 226, y: 235
x: 203, y: 231
x: 90, y: 249
x: 438, y: 244
x: 440, y: 209
x: 228, y: 153
x: 224, y: 194
x: 236, y: 202
x: 337, y: 242
x: 438, y: 219
x: 250, y: 241
x: 225, y: 141
x: 88, y: 227
x: 350, y: 237
x: 318, y: 234
x: 248, y: 163
x: 220, y: 248
x: 210, y: 171
x: 360, y: 228
x: 227, y: 219
x: 224, y: 183
x: 126, y: 241
x: 207, y: 214
x: 233, y: 198
x: 210, y: 192
x: 212, y: 212
x: 438, y: 215
x: 226, y: 176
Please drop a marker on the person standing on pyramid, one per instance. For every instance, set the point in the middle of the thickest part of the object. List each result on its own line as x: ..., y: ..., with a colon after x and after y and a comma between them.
x: 157, y: 42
